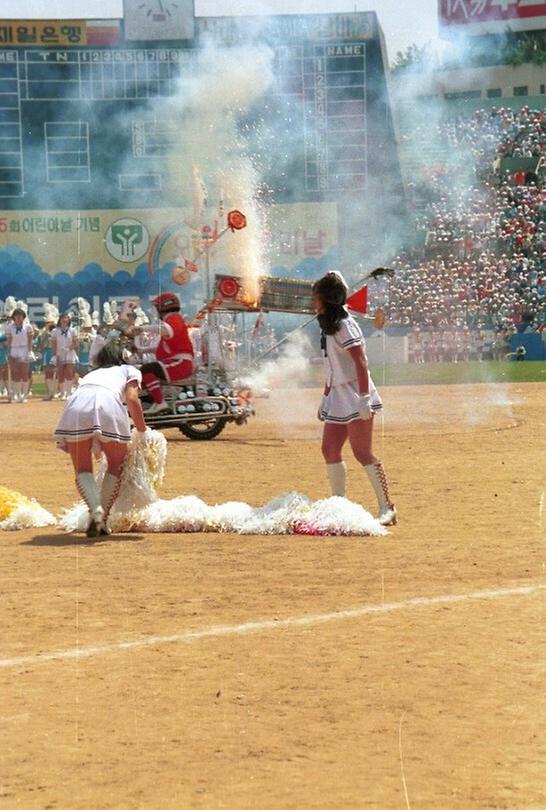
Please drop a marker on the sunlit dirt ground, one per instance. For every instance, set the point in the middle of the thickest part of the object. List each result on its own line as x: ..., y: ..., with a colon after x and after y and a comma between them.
x: 431, y: 704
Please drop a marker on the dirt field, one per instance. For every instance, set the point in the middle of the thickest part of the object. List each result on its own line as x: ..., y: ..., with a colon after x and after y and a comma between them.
x: 437, y: 704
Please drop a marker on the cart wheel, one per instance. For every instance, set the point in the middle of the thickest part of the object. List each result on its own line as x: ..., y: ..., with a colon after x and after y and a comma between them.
x: 203, y: 430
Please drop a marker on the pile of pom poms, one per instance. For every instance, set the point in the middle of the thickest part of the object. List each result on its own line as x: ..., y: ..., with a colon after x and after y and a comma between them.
x: 288, y: 514
x: 19, y: 512
x: 139, y: 509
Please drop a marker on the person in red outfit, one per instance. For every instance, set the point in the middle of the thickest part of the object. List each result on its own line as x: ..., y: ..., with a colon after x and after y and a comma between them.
x: 174, y: 353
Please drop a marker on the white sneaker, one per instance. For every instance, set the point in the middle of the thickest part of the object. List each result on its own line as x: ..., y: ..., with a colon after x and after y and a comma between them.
x: 389, y: 517
x: 156, y: 407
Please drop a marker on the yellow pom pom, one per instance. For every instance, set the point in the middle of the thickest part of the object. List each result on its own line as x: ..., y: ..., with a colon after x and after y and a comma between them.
x: 10, y: 500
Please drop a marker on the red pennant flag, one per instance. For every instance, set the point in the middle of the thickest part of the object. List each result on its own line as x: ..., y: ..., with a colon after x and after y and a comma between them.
x: 358, y: 301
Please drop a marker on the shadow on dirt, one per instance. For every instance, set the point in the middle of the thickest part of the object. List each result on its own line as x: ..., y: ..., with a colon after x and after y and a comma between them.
x: 80, y: 540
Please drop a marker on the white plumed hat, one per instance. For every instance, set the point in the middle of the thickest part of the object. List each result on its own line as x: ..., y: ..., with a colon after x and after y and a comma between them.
x: 141, y: 317
x: 107, y: 313
x: 51, y: 313
x: 9, y: 306
x: 83, y: 306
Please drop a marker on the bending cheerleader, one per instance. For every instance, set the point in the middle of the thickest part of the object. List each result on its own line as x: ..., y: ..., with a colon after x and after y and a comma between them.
x: 350, y: 397
x: 95, y: 417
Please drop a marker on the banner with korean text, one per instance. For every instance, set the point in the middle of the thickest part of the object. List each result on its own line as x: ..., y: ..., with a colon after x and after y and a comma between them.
x: 104, y: 254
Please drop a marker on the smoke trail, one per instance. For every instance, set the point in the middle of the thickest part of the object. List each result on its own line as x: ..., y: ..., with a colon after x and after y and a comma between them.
x: 205, y: 113
x: 290, y: 370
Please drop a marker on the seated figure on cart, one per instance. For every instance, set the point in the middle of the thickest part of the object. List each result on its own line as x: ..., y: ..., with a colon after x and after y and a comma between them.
x: 174, y: 353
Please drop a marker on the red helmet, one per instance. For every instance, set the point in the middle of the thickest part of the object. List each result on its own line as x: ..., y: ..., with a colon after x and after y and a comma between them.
x: 165, y: 302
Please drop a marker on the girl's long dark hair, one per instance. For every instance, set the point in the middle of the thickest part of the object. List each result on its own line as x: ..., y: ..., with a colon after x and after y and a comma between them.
x: 332, y: 291
x: 64, y: 315
x: 110, y: 355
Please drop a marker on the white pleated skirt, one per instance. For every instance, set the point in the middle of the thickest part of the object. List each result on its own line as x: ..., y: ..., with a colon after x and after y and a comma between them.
x: 340, y: 406
x: 93, y: 412
x: 67, y: 357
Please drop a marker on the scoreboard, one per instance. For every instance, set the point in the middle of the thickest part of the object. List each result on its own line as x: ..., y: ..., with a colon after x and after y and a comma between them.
x: 328, y: 85
x: 86, y: 139
x: 65, y: 113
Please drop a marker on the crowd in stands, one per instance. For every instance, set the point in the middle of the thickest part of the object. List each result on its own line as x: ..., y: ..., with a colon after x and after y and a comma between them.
x: 481, y: 265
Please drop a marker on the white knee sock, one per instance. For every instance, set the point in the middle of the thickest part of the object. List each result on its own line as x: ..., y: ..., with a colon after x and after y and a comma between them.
x: 87, y: 487
x: 337, y: 473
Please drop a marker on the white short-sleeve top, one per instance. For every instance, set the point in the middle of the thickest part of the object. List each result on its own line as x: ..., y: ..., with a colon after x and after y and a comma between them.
x: 19, y: 336
x: 115, y: 378
x: 338, y: 363
x: 65, y: 339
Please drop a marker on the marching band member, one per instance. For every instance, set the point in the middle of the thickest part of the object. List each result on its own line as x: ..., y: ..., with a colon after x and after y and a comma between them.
x: 4, y: 372
x: 51, y: 316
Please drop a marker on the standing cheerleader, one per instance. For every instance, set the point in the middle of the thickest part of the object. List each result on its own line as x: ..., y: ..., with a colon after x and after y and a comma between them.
x: 350, y: 397
x: 20, y: 334
x: 64, y: 343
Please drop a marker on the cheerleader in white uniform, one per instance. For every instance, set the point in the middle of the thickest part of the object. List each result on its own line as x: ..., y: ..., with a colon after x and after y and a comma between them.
x: 95, y: 417
x: 350, y: 397
x: 19, y: 334
x: 64, y: 342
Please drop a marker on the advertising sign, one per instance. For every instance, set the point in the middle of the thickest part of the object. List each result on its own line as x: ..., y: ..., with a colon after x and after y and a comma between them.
x: 58, y: 33
x: 491, y: 16
x: 104, y: 254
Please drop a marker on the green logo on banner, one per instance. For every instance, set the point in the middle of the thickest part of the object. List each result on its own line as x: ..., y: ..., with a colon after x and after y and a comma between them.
x: 127, y: 240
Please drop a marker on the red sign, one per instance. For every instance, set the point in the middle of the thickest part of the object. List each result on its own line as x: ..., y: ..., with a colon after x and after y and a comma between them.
x: 229, y: 287
x: 490, y: 15
x: 236, y: 221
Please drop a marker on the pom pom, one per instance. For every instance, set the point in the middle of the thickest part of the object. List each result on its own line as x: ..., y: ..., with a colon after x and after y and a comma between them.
x: 19, y: 512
